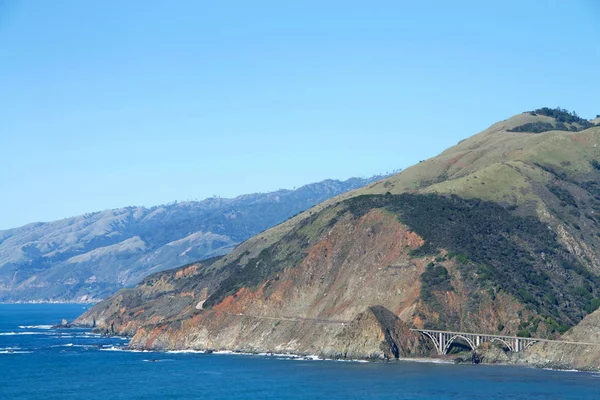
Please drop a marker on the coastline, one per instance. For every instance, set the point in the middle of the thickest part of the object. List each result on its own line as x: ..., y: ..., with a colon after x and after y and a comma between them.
x: 314, y: 357
x: 519, y: 363
x: 456, y: 359
x: 514, y: 360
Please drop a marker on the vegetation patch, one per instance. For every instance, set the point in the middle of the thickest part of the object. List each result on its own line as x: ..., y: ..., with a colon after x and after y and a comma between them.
x: 435, y: 278
x: 563, y: 115
x: 535, y: 127
x: 496, y: 250
x: 563, y: 195
x: 565, y: 121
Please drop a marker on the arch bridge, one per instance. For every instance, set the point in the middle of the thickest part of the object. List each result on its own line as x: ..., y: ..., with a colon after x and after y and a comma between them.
x: 442, y: 340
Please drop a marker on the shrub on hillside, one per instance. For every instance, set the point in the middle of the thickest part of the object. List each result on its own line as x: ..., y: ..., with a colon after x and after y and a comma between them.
x: 434, y: 278
x: 562, y: 115
x: 537, y: 127
x: 496, y: 249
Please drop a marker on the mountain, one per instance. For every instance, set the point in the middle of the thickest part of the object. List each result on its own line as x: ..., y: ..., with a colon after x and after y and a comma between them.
x: 89, y: 257
x: 499, y: 234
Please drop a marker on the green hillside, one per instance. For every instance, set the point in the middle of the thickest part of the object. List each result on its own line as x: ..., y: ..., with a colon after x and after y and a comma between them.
x: 498, y: 234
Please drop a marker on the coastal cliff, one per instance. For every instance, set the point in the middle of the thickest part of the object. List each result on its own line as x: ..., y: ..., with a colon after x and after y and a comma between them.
x: 495, y: 235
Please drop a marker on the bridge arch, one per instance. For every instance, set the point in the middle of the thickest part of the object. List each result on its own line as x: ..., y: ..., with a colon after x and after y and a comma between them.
x: 453, y: 338
x: 436, y: 343
x: 442, y: 340
x: 528, y: 343
x: 500, y: 340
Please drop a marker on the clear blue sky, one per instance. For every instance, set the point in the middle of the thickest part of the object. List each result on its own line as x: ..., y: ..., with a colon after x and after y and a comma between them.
x: 114, y: 103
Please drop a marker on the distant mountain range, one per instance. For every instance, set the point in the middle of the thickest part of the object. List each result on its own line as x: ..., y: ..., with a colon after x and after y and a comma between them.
x: 88, y: 257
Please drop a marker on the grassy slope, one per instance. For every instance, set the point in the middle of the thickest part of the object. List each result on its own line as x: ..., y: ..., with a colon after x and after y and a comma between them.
x: 504, y: 162
x: 504, y: 167
x: 496, y: 165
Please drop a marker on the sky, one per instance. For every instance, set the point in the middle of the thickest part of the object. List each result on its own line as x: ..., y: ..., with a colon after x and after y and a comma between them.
x: 118, y: 103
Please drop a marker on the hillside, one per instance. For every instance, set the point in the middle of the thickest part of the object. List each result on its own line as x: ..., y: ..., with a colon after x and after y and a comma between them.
x: 498, y: 234
x: 89, y: 257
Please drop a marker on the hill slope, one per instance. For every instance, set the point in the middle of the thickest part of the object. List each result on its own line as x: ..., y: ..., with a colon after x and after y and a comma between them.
x: 91, y: 256
x: 497, y: 234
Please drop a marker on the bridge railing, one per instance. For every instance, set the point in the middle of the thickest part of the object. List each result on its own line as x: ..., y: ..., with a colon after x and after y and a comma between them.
x: 442, y: 340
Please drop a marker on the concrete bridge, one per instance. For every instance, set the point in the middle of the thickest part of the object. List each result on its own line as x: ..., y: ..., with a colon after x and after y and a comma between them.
x: 442, y: 340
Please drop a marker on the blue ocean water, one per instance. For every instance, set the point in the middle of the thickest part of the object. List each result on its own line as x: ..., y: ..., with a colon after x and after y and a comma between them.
x: 37, y: 362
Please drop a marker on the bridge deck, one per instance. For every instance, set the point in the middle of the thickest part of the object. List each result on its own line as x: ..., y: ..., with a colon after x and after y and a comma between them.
x: 487, y: 335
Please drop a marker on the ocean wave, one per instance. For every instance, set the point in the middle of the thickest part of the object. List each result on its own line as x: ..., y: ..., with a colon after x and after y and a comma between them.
x: 296, y: 357
x: 279, y: 356
x: 116, y: 348
x: 186, y: 352
x: 562, y: 370
x: 427, y: 360
x: 233, y: 353
x: 82, y: 337
x: 112, y: 348
x: 85, y: 346
x: 15, y: 352
x: 39, y: 333
x: 287, y: 356
x: 35, y: 326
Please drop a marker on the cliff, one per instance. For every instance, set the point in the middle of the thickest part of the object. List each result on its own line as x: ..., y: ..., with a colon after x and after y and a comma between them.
x: 495, y: 235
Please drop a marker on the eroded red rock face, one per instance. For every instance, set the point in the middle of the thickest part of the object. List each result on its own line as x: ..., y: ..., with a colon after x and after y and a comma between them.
x: 355, y: 293
x: 186, y: 272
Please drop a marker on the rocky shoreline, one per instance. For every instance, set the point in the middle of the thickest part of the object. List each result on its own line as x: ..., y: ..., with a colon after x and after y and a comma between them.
x: 485, y: 355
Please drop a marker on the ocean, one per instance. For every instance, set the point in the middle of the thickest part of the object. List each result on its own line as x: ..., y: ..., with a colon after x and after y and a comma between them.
x: 38, y: 362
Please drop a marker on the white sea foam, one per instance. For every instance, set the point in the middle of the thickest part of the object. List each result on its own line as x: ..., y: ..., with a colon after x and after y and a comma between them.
x: 186, y: 351
x: 233, y: 353
x: 279, y: 356
x: 15, y: 352
x: 74, y: 345
x: 287, y: 356
x: 427, y: 360
x: 41, y: 333
x: 35, y: 326
x: 312, y: 357
x: 562, y: 370
x: 112, y: 348
x: 115, y: 348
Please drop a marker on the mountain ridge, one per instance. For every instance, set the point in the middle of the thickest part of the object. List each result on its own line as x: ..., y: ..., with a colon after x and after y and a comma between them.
x: 87, y: 257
